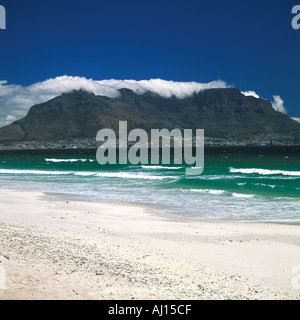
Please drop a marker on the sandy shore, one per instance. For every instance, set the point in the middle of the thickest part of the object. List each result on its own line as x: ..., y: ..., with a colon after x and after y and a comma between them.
x: 51, y: 248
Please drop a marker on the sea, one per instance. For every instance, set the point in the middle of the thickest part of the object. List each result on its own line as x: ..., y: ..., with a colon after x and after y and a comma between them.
x: 257, y: 184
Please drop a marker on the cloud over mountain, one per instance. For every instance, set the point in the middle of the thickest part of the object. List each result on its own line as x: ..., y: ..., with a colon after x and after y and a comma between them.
x: 278, y: 104
x: 15, y: 100
x: 81, y: 114
x: 296, y: 119
x: 250, y: 93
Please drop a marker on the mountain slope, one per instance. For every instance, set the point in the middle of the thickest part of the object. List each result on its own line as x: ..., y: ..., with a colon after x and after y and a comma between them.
x: 80, y: 114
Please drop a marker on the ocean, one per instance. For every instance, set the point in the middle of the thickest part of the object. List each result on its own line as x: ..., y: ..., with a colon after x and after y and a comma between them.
x: 259, y: 184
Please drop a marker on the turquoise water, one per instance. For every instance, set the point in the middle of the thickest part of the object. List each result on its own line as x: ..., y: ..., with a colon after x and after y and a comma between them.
x: 240, y: 184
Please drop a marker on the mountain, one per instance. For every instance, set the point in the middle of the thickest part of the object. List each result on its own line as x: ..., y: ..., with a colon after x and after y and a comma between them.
x: 80, y: 114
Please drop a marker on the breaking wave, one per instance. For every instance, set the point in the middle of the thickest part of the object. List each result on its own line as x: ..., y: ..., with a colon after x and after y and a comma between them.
x: 265, y: 172
x: 124, y: 175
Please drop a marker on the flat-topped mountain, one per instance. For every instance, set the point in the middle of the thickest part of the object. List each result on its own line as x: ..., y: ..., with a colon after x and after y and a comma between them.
x: 80, y: 114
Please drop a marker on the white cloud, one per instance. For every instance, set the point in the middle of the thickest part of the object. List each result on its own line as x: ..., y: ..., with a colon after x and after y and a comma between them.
x: 11, y: 118
x: 250, y: 93
x: 278, y: 104
x: 15, y: 100
x: 296, y: 119
x: 162, y: 87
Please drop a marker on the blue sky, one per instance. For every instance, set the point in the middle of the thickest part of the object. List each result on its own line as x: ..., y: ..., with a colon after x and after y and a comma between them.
x: 248, y: 44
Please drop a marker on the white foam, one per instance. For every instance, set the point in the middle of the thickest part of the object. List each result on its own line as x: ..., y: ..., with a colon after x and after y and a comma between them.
x: 266, y: 172
x: 161, y: 167
x: 131, y: 176
x: 265, y: 185
x: 200, y: 190
x: 216, y: 191
x: 241, y: 195
x: 211, y: 191
x: 41, y: 172
x: 66, y: 160
x: 124, y: 175
x: 84, y: 173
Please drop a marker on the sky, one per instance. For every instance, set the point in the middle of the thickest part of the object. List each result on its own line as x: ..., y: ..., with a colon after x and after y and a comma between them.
x: 51, y: 46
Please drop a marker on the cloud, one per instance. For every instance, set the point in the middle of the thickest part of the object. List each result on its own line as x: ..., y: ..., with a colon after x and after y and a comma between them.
x: 296, y: 119
x: 15, y: 100
x: 162, y: 87
x: 11, y: 118
x: 250, y: 93
x: 278, y: 104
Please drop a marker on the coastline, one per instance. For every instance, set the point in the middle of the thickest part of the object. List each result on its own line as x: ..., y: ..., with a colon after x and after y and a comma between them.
x: 235, y: 148
x: 53, y: 248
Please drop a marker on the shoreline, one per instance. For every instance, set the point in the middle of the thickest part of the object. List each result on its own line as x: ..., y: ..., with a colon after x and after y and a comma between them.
x: 169, y: 215
x: 210, y: 148
x: 153, y: 208
x: 53, y: 248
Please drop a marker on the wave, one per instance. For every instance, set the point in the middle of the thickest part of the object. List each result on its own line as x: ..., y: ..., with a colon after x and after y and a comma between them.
x: 124, y: 175
x: 265, y: 172
x: 241, y: 195
x: 216, y: 192
x: 68, y: 160
x: 265, y: 185
x: 41, y: 172
x: 161, y: 167
x: 211, y: 191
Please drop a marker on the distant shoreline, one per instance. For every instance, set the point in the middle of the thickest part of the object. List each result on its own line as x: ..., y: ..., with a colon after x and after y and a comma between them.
x: 208, y: 149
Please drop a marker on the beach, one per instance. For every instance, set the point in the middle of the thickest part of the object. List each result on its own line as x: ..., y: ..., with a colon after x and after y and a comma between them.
x: 55, y: 248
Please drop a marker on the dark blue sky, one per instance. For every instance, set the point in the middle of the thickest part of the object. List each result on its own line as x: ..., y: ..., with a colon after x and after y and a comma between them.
x: 248, y: 44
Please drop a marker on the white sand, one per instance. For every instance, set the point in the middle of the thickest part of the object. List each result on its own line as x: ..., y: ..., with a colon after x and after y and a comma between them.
x: 56, y: 249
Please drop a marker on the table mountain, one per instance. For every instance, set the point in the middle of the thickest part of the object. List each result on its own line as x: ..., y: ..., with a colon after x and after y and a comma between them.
x: 80, y: 114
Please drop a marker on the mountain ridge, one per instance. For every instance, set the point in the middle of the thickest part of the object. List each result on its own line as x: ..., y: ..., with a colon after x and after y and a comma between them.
x: 80, y: 114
